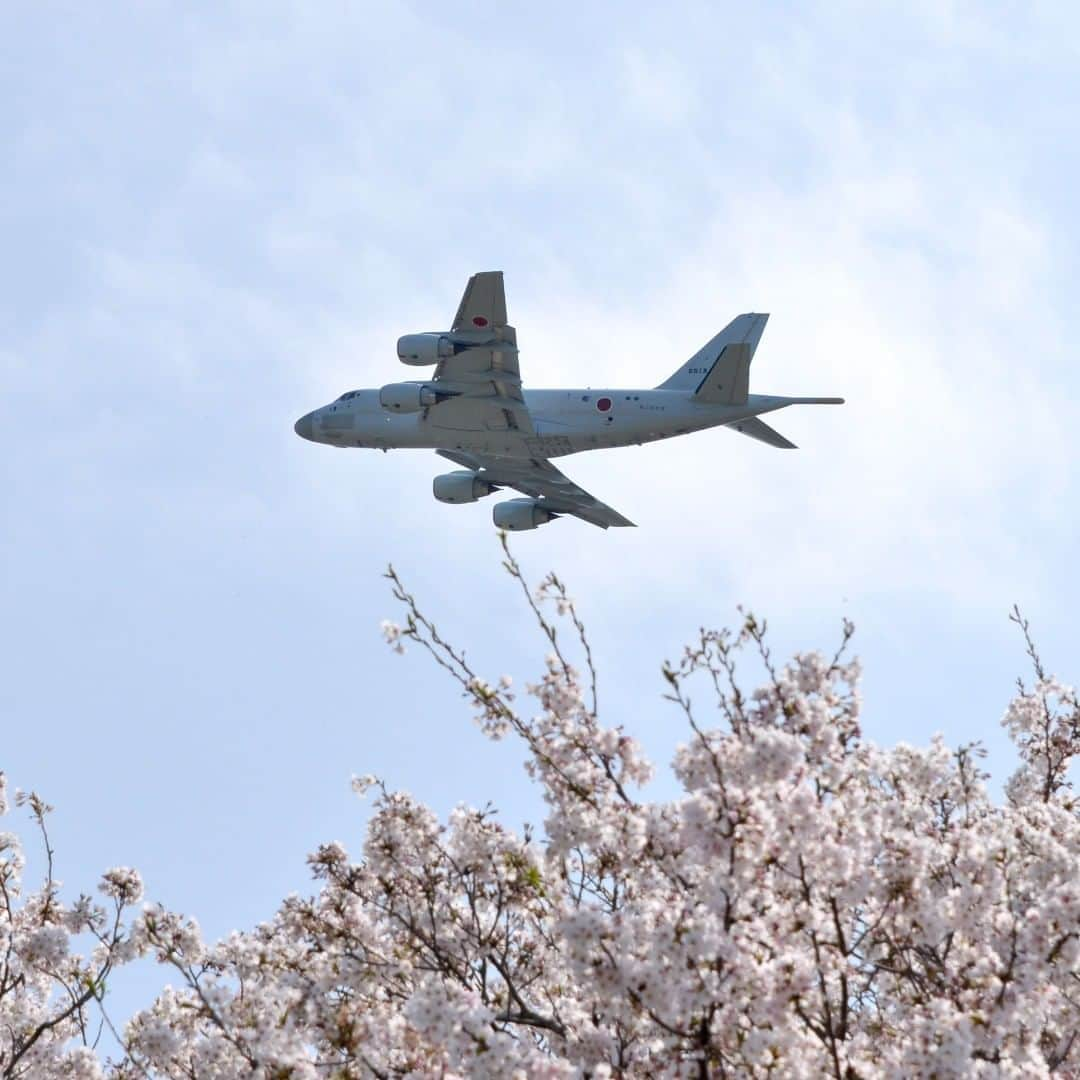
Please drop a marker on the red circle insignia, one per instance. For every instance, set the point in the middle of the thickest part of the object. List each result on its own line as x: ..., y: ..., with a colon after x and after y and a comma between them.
x: 603, y: 404
x: 479, y: 320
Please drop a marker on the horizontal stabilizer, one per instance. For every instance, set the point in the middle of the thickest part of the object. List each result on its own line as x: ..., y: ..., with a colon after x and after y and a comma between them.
x: 758, y: 429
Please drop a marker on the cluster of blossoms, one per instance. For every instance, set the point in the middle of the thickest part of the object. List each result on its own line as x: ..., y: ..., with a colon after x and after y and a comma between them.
x: 810, y: 904
x: 48, y: 992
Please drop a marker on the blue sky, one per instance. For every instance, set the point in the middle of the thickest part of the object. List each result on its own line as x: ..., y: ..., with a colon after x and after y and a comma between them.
x: 217, y: 218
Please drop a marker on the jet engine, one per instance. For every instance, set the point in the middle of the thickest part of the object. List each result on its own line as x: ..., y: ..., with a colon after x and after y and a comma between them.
x: 407, y: 397
x: 517, y: 515
x: 461, y: 486
x: 420, y: 350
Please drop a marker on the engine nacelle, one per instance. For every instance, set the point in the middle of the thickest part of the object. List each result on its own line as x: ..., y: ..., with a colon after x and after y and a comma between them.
x: 517, y: 515
x: 406, y: 397
x: 420, y: 350
x: 461, y: 486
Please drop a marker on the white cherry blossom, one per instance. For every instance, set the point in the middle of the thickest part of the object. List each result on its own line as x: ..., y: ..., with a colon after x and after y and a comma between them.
x: 810, y: 904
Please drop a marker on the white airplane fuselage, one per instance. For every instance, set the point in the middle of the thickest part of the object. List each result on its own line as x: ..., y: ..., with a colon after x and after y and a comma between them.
x: 475, y: 412
x: 565, y: 422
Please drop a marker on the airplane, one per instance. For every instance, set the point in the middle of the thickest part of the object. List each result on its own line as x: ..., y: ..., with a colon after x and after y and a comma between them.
x: 474, y: 412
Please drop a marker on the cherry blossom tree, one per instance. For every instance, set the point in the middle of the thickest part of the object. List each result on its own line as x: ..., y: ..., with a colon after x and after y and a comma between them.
x: 809, y: 905
x: 49, y: 1025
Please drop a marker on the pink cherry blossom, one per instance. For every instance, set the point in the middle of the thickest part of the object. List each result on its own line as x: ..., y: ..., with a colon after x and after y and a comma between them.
x: 809, y: 904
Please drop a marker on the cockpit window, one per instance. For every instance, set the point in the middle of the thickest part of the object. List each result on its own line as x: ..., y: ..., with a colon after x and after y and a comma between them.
x: 350, y: 394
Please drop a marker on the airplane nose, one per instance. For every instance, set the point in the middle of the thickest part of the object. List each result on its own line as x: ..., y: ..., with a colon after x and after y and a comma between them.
x: 303, y: 427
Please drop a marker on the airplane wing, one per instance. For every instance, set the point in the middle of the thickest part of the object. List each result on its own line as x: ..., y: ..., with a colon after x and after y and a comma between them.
x: 482, y: 375
x: 483, y: 305
x: 539, y: 479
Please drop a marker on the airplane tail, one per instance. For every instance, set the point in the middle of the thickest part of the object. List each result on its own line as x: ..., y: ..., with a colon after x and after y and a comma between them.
x: 737, y: 342
x: 719, y: 374
x: 756, y: 428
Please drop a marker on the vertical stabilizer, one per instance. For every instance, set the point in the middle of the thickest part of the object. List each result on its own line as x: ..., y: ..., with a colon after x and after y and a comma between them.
x: 728, y: 381
x: 742, y: 330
